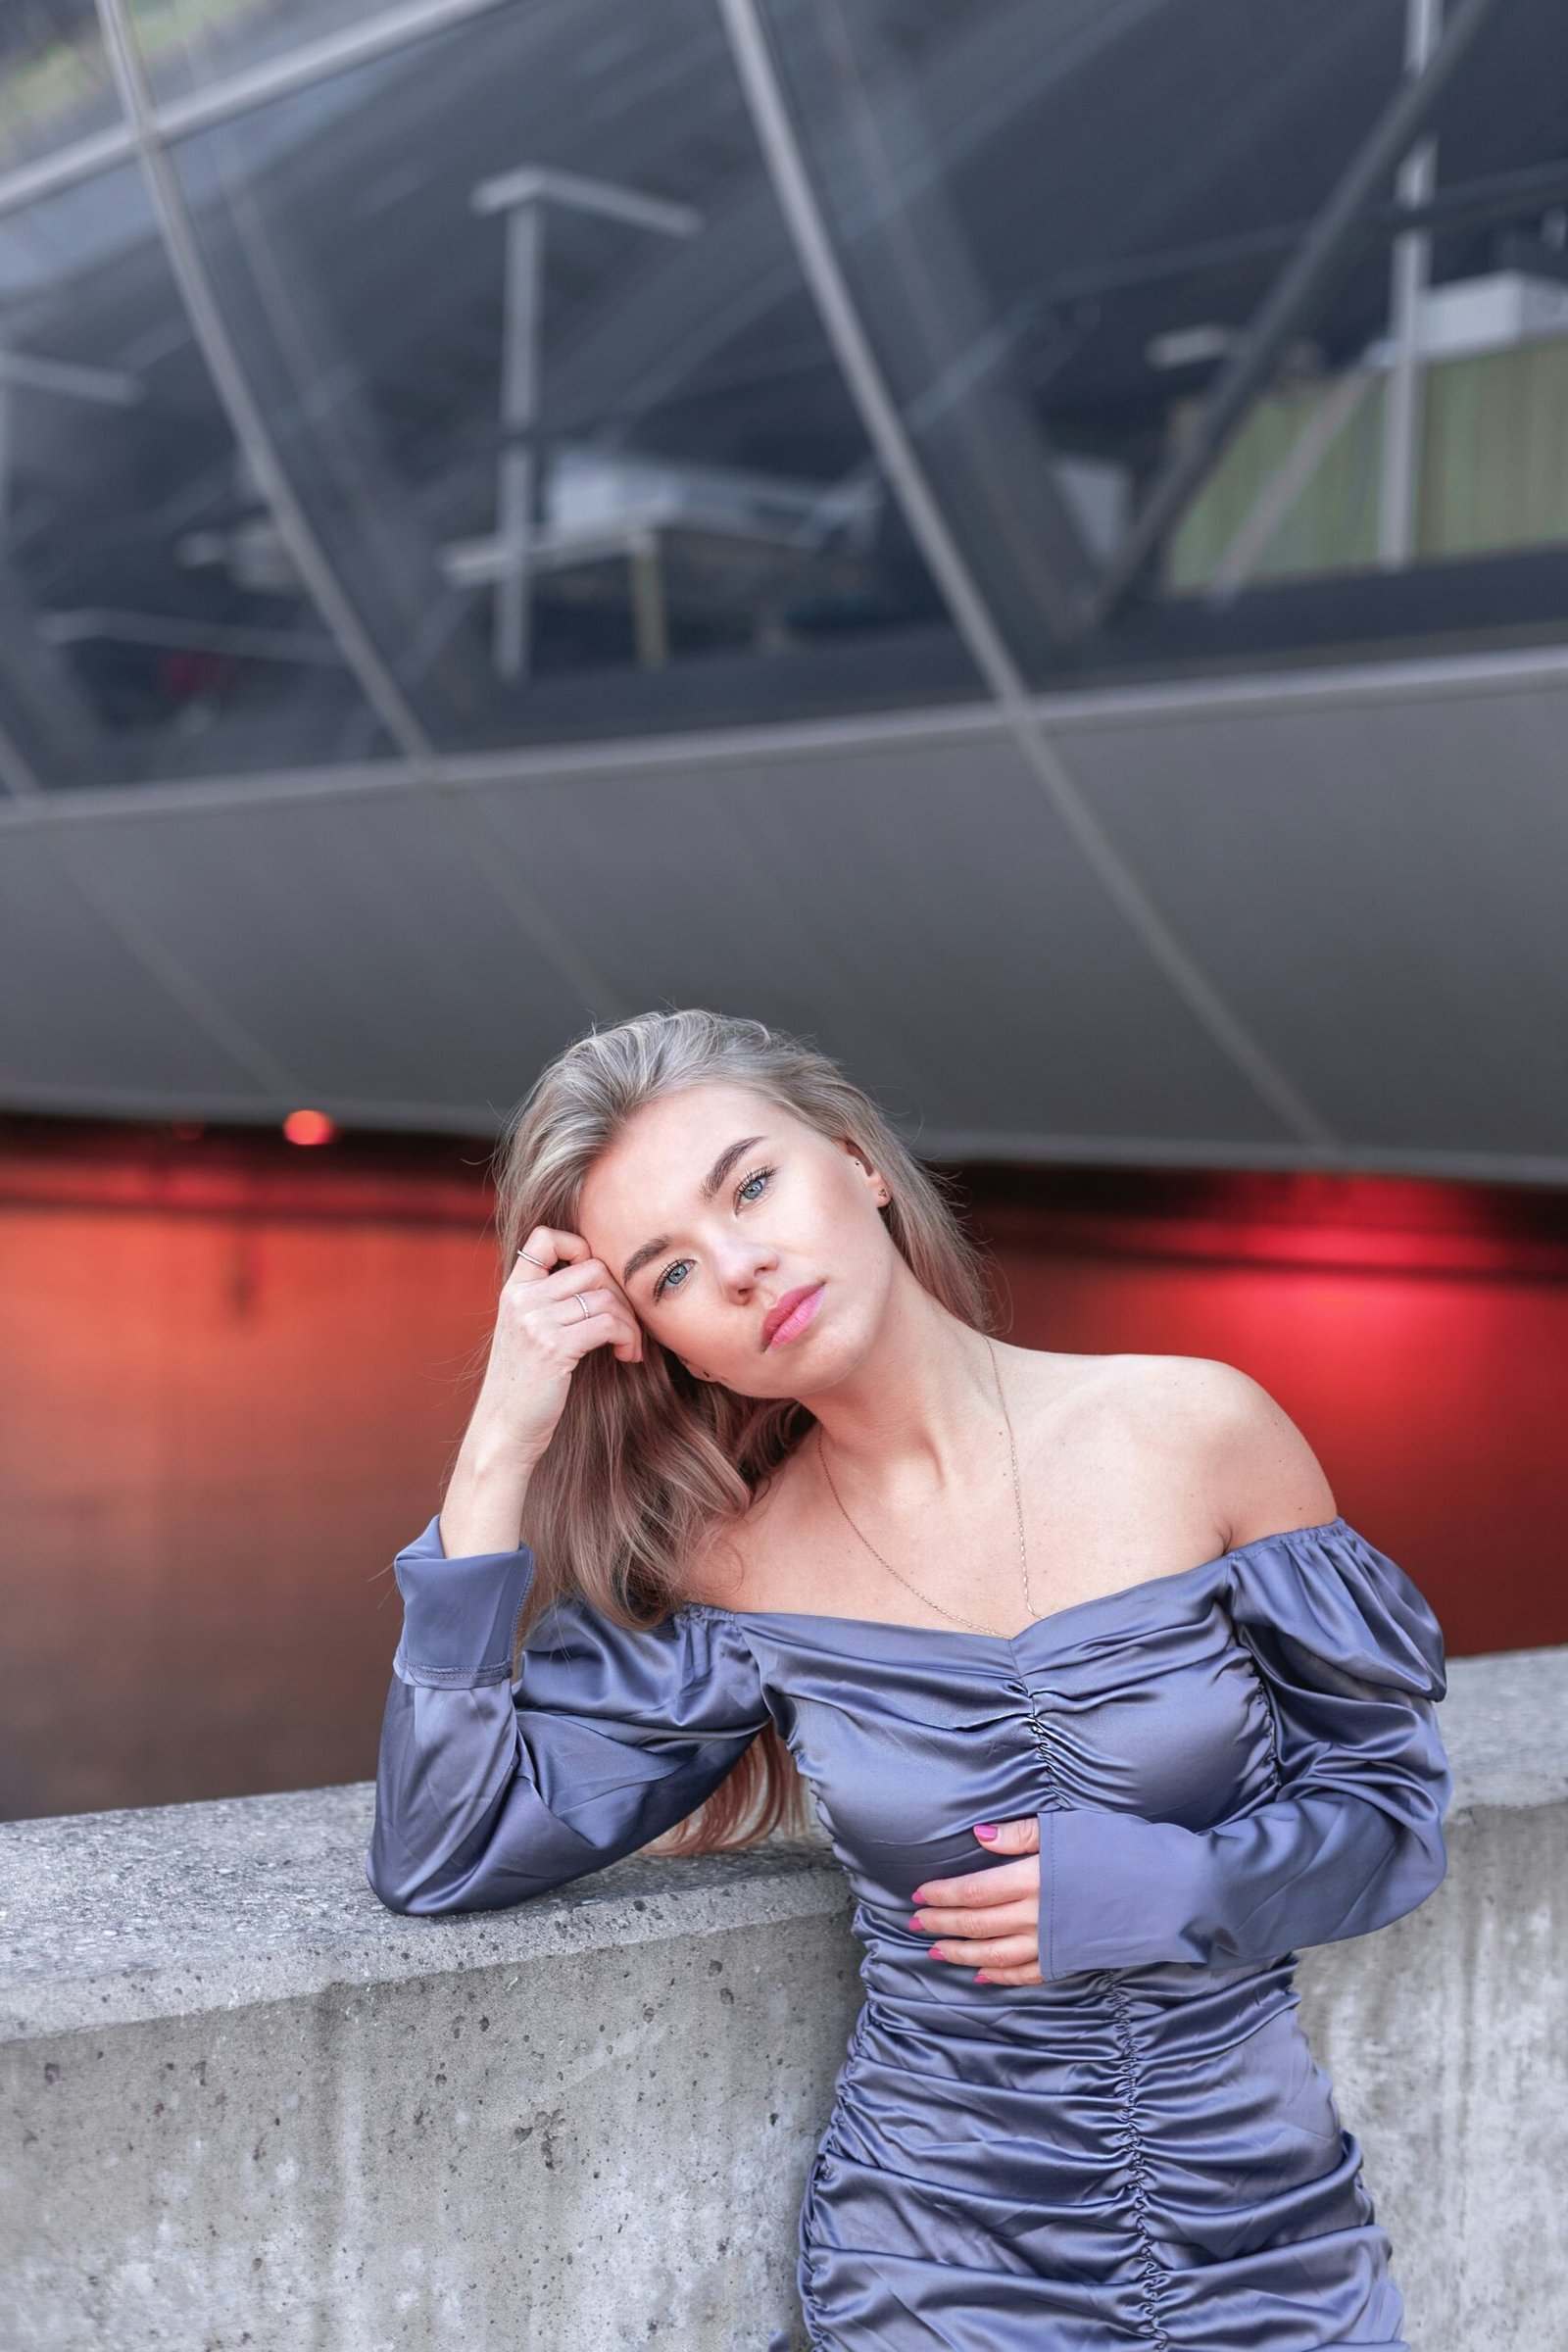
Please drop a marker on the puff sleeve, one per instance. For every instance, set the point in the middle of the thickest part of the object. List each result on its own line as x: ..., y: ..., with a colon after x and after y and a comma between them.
x: 1352, y: 1660
x: 489, y: 1791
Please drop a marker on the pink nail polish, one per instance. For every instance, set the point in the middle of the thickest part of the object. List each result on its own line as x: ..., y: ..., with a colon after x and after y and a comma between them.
x: 935, y: 1952
x: 986, y: 1828
x: 981, y: 1978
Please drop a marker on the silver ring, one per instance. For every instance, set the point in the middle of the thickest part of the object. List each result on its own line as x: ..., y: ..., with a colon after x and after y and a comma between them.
x: 588, y: 1311
x: 534, y: 1261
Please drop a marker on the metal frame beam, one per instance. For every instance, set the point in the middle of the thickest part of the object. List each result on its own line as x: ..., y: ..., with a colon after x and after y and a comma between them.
x: 1463, y: 204
x: 1409, y: 274
x: 311, y: 562
x: 1294, y: 299
x: 1359, y: 686
x: 1251, y: 540
x: 885, y: 429
x: 231, y: 94
x: 520, y: 197
x: 249, y: 425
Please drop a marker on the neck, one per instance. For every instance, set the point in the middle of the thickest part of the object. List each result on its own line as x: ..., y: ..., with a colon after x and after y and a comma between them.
x: 905, y: 1423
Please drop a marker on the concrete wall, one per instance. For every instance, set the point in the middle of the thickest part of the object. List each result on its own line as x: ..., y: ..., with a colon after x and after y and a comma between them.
x: 246, y: 2105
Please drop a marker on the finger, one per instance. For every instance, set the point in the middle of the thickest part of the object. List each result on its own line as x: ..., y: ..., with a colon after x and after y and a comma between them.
x: 989, y: 1951
x: 628, y: 1347
x: 1001, y: 1920
x: 593, y: 1299
x: 589, y: 1273
x: 588, y: 1332
x: 583, y: 1306
x: 1009, y: 1976
x: 1012, y: 1836
x: 543, y: 1250
x: 607, y: 1330
x: 996, y: 1885
x: 577, y: 1296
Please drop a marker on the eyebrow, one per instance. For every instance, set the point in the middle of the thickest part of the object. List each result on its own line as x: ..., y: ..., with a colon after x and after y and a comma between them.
x: 709, y: 1186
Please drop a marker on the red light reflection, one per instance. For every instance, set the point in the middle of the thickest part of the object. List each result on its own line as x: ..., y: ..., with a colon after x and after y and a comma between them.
x: 309, y: 1127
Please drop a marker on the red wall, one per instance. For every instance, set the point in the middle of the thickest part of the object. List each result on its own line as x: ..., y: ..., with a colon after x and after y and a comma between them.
x: 232, y: 1375
x: 1417, y: 1334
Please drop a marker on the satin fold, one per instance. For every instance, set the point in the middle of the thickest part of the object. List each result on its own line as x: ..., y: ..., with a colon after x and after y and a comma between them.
x: 1137, y: 2154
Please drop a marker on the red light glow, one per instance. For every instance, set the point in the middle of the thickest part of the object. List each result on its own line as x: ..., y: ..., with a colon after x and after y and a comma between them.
x: 309, y: 1127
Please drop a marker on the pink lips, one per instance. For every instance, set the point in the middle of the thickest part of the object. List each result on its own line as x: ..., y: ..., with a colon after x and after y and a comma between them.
x: 794, y: 1312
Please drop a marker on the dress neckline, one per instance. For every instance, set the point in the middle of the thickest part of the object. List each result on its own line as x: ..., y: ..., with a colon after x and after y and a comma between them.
x: 1072, y: 1609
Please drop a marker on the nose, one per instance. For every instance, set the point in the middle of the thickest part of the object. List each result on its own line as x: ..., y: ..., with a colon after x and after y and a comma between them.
x: 743, y: 1262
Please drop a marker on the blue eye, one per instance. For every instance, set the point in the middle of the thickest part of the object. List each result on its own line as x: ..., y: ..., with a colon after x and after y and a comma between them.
x: 744, y: 1197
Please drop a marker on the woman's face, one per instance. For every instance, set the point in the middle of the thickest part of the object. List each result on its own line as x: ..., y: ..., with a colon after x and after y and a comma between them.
x: 716, y: 1210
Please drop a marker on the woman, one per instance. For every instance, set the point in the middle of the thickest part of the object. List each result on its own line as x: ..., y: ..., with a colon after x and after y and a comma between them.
x: 1103, y: 1706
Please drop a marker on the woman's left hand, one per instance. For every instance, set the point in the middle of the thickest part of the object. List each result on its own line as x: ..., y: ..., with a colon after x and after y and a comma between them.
x: 990, y: 1921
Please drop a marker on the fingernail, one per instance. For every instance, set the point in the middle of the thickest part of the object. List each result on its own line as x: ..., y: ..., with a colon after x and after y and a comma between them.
x: 981, y: 1978
x: 915, y: 1921
x: 986, y: 1828
x: 936, y: 1952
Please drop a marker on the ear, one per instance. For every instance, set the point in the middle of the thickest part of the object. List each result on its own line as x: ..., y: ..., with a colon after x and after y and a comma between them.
x: 881, y: 1190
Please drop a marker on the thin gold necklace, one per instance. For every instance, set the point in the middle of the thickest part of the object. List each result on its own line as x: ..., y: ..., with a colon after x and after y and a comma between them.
x: 1017, y: 1502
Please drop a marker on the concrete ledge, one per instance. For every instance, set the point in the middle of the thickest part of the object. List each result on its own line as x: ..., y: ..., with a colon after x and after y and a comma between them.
x: 166, y: 1911
x: 248, y: 2101
x: 109, y: 1918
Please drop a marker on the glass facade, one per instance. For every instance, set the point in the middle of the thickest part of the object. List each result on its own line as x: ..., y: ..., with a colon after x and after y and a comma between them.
x: 151, y: 626
x: 56, y: 89
x: 415, y: 384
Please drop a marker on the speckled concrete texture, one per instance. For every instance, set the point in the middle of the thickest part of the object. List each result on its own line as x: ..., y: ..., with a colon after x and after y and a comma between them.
x: 599, y: 2148
x: 1447, y: 2046
x: 245, y: 2105
x: 119, y: 1916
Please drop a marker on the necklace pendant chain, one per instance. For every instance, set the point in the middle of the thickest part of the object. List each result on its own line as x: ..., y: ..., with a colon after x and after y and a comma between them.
x: 1017, y: 1505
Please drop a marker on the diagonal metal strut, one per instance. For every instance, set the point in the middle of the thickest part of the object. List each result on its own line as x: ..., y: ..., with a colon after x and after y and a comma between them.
x: 1294, y: 299
x: 971, y: 615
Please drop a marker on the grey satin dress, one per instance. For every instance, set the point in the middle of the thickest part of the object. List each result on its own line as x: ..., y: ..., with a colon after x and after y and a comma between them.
x: 1226, y: 1763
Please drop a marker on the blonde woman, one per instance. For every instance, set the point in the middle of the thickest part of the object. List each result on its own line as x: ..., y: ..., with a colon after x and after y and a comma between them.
x: 1103, y: 1704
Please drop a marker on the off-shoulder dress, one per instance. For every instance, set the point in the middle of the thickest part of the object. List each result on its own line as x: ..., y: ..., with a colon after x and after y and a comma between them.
x: 1137, y: 2154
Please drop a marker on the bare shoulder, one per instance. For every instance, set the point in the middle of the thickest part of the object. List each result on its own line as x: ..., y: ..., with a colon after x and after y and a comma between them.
x: 1261, y: 1472
x: 1193, y: 1391
x: 1217, y: 1427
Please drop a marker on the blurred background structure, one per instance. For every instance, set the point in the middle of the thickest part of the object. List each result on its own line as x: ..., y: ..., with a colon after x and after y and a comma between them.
x: 1028, y: 542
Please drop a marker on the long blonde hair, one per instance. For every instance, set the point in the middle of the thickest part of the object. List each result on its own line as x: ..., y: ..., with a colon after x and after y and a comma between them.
x: 647, y: 1462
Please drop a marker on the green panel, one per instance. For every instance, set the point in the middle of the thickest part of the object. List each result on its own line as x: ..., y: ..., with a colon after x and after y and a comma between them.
x: 1493, y: 471
x: 1332, y: 524
x: 1495, y: 467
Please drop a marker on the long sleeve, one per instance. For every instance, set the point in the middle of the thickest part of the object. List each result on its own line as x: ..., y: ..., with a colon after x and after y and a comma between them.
x: 489, y: 1791
x: 1352, y: 1660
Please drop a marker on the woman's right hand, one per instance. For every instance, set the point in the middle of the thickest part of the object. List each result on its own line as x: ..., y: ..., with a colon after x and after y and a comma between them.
x: 541, y: 1336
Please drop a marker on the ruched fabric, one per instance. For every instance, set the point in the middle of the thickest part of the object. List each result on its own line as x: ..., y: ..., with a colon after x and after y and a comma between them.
x: 1138, y: 2152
